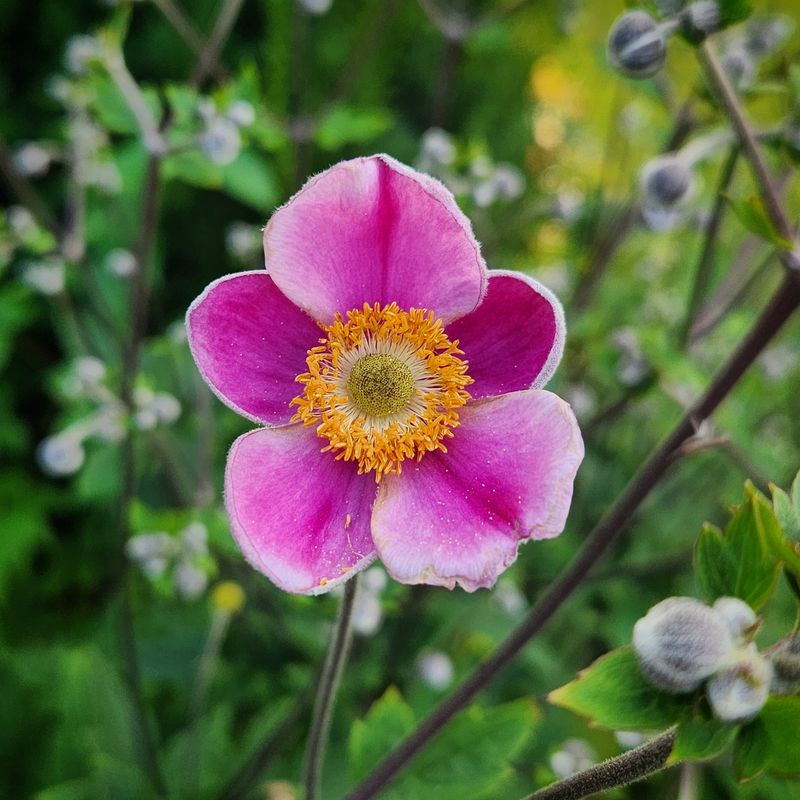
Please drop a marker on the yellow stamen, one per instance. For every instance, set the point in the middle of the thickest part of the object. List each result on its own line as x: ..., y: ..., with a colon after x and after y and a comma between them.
x: 383, y: 386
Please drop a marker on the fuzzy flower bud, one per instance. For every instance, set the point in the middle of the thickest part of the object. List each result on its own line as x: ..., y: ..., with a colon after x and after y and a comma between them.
x: 221, y: 142
x: 680, y: 642
x: 228, y: 596
x: 60, y: 455
x: 666, y: 181
x: 741, y: 620
x: 636, y: 45
x: 701, y: 18
x: 436, y: 669
x: 738, y: 692
x: 786, y: 667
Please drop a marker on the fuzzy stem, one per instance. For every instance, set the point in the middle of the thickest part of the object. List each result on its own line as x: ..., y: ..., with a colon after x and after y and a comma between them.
x: 732, y: 107
x: 632, y: 766
x: 326, y: 694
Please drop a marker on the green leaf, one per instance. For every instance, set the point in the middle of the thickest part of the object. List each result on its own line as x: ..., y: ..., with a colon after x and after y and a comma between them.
x: 346, y: 125
x: 389, y: 720
x: 251, y: 180
x: 752, y: 215
x: 614, y: 693
x: 470, y: 758
x: 700, y: 738
x: 741, y: 562
x: 113, y: 111
x: 193, y: 168
x: 771, y: 740
x: 787, y: 508
x: 733, y: 11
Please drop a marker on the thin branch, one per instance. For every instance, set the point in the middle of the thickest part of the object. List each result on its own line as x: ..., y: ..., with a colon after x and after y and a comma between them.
x: 730, y: 102
x: 785, y: 301
x: 632, y: 766
x: 702, y: 273
x: 332, y: 670
x: 216, y: 41
x: 186, y: 29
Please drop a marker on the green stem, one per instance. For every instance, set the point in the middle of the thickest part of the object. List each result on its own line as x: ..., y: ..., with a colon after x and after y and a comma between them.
x: 326, y: 694
x: 632, y: 766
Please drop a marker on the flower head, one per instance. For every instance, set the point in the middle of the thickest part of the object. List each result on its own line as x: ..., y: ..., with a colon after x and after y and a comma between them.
x: 400, y: 385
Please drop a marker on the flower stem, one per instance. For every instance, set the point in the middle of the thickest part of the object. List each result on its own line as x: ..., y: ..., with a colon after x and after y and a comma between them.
x: 632, y: 766
x: 782, y: 305
x: 730, y: 102
x: 326, y: 694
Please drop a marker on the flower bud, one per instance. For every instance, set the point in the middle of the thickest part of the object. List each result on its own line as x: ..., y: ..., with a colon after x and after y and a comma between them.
x: 701, y: 18
x: 60, y: 455
x: 741, y: 620
x: 679, y: 643
x: 436, y: 669
x: 739, y: 67
x: 738, y: 692
x: 228, y: 596
x: 636, y: 45
x: 786, y: 667
x: 666, y: 181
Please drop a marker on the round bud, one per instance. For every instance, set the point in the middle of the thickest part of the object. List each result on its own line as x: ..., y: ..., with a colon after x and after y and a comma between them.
x: 666, y: 181
x: 701, y: 18
x: 738, y: 692
x: 228, y: 597
x: 786, y: 667
x: 741, y: 620
x: 739, y: 67
x: 636, y: 45
x: 679, y: 643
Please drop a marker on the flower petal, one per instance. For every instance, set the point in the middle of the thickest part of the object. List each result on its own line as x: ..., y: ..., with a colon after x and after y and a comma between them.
x: 458, y: 517
x: 373, y: 230
x: 298, y: 515
x: 250, y: 343
x: 514, y: 339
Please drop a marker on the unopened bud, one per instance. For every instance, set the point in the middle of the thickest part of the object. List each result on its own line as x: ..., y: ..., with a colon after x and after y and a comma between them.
x: 228, y: 596
x: 738, y: 692
x: 701, y: 18
x: 636, y: 45
x: 739, y: 67
x: 679, y: 643
x: 741, y: 620
x: 666, y: 181
x: 786, y: 667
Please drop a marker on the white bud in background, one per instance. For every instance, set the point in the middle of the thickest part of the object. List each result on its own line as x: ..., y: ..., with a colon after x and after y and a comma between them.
x: 20, y: 220
x: 177, y: 332
x: 32, y: 159
x: 194, y: 539
x: 739, y: 67
x: 741, y: 620
x: 636, y: 45
x: 367, y: 613
x: 484, y: 193
x: 437, y: 146
x: 241, y: 113
x: 374, y: 580
x: 509, y: 182
x: 121, y: 263
x: 680, y: 642
x: 242, y: 241
x: 764, y: 35
x: 166, y: 407
x: 220, y: 142
x: 145, y: 419
x: 435, y: 669
x: 46, y: 277
x: 574, y: 756
x: 316, y: 6
x: 509, y: 597
x: 81, y: 51
x: 738, y: 692
x: 145, y: 546
x: 701, y: 18
x: 60, y: 455
x: 190, y: 581
x: 108, y: 424
x: 89, y: 369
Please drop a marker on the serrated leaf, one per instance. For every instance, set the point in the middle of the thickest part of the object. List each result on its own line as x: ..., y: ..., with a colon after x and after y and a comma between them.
x: 752, y: 215
x: 741, y: 562
x: 771, y: 741
x: 614, y: 693
x: 389, y: 720
x: 700, y: 738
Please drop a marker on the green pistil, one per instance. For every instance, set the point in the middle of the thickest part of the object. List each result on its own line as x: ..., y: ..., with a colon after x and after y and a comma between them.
x: 380, y: 385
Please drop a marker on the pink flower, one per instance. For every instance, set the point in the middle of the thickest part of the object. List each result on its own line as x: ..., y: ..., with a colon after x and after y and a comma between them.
x: 399, y: 383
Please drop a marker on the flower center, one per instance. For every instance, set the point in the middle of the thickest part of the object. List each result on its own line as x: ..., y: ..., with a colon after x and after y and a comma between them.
x: 380, y: 384
x: 383, y: 386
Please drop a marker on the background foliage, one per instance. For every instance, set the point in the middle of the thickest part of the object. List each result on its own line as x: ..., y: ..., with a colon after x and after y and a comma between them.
x: 543, y: 146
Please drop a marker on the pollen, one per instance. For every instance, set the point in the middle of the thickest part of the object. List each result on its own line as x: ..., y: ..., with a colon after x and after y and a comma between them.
x: 383, y: 386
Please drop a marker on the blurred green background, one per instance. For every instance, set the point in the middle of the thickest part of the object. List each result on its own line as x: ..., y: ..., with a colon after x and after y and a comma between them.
x: 514, y: 106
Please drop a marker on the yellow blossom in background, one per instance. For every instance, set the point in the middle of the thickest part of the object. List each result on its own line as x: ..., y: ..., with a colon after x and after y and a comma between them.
x: 551, y: 85
x: 228, y: 596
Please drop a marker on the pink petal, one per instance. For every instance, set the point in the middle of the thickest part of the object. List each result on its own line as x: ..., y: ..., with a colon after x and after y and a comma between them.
x: 458, y: 517
x: 250, y: 343
x: 298, y: 515
x: 373, y: 230
x: 514, y: 339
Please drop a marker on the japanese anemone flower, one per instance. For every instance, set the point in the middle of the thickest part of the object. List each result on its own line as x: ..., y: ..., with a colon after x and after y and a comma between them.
x: 399, y: 385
